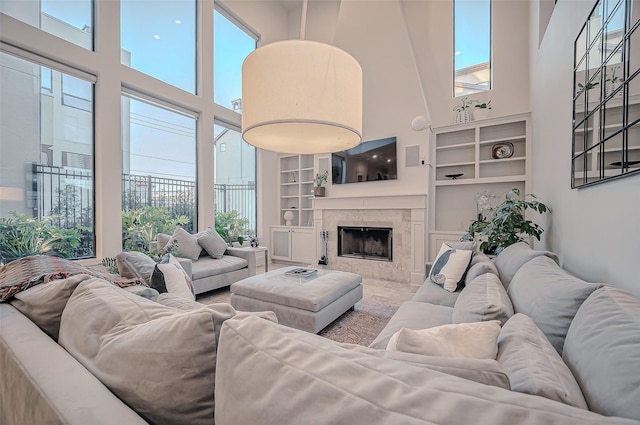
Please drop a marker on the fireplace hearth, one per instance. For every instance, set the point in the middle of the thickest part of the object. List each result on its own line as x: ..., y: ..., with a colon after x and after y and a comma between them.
x: 368, y: 243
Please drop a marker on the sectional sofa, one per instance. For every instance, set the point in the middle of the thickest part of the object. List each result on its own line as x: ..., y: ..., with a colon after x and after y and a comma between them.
x: 81, y: 350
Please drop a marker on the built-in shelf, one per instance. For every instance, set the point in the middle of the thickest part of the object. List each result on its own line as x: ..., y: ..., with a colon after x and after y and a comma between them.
x: 296, y: 183
x: 468, y: 149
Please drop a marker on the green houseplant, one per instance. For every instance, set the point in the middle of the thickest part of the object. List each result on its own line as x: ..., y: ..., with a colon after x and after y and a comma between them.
x: 507, y: 223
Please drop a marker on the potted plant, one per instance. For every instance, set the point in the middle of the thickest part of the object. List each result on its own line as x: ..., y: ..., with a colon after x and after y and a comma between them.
x: 464, y: 114
x: 319, y: 183
x: 507, y: 223
x: 482, y: 110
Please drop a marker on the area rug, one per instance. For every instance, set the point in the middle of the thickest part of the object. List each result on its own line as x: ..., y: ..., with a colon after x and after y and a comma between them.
x: 360, y: 326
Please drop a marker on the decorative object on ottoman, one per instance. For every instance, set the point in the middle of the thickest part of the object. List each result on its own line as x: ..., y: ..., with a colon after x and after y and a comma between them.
x: 309, y: 304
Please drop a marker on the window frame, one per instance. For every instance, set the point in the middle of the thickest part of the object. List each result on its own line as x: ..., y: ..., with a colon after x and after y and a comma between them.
x: 453, y: 49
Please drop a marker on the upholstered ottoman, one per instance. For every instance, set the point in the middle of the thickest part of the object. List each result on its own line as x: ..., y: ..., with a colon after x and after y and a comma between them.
x: 309, y: 304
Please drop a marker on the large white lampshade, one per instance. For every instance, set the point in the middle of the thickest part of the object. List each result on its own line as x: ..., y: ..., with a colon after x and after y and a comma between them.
x: 303, y: 97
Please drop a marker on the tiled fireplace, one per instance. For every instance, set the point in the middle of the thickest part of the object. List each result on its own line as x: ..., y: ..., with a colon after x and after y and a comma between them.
x: 404, y: 221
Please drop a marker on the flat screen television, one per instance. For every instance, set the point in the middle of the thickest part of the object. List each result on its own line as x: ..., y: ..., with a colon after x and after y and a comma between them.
x: 374, y: 160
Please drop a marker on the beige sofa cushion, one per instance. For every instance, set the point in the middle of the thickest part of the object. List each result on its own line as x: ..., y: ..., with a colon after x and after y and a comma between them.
x: 602, y: 350
x: 206, y: 267
x: 533, y: 365
x: 413, y: 315
x: 43, y: 304
x: 481, y: 300
x: 550, y: 296
x: 323, y: 383
x: 159, y: 360
x: 515, y: 256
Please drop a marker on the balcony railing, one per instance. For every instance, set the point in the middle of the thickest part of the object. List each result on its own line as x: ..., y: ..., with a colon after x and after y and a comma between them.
x: 68, y: 195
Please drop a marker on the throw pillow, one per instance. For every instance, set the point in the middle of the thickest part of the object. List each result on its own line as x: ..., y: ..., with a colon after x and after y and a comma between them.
x: 468, y: 340
x: 550, y: 296
x: 158, y: 360
x: 162, y: 240
x: 483, y: 299
x: 212, y: 242
x: 188, y: 246
x: 449, y: 267
x: 135, y: 264
x: 533, y: 365
x: 43, y: 304
x: 169, y: 276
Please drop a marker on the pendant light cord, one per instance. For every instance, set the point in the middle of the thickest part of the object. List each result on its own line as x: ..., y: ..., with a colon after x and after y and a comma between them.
x: 303, y: 24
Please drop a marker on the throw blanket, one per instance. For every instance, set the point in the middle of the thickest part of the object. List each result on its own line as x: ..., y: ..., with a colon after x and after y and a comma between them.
x: 28, y: 272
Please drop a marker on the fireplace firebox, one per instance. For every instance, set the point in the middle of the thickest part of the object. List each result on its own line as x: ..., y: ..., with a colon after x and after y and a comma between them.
x: 369, y: 243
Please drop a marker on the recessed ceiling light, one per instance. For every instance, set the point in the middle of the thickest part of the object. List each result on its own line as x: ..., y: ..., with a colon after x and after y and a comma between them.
x: 178, y: 21
x: 374, y: 156
x: 388, y: 160
x: 157, y: 37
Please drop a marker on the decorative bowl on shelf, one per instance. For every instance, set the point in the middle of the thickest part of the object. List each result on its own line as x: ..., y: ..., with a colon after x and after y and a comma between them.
x: 454, y: 176
x: 502, y: 150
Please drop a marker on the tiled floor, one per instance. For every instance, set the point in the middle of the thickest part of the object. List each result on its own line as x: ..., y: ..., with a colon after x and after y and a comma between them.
x: 393, y: 293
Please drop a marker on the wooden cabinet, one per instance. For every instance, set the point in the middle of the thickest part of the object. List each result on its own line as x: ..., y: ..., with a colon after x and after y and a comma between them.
x: 480, y: 157
x: 296, y: 244
x: 296, y: 188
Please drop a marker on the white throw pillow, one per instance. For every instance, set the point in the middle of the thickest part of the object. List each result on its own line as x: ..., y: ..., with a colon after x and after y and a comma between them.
x: 477, y: 340
x: 175, y: 281
x: 449, y: 267
x: 169, y: 276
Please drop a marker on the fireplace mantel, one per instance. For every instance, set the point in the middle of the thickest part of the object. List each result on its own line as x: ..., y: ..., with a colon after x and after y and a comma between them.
x: 371, y: 202
x: 405, y: 214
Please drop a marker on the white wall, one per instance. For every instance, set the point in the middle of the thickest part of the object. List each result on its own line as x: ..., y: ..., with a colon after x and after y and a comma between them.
x: 595, y: 230
x: 430, y: 25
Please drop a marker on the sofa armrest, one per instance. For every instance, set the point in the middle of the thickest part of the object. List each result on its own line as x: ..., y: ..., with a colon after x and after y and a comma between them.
x: 247, y: 254
x: 186, y: 265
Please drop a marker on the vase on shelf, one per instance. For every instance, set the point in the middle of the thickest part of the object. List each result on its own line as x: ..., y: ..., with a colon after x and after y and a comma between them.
x: 288, y: 217
x: 481, y: 113
x: 464, y: 116
x: 319, y: 191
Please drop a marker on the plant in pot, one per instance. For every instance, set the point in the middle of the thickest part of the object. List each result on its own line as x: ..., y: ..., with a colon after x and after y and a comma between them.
x: 319, y: 183
x: 482, y: 110
x: 507, y: 223
x: 464, y: 114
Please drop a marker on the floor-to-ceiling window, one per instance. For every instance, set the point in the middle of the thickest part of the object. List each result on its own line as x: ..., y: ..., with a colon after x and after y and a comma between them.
x: 46, y: 161
x: 136, y: 102
x: 234, y: 159
x: 158, y: 171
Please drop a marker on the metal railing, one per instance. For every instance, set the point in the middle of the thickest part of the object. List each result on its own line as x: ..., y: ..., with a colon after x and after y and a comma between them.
x: 68, y: 195
x: 237, y: 197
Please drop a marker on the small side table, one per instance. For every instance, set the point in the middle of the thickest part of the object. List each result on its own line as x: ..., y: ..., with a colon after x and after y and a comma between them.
x: 261, y: 249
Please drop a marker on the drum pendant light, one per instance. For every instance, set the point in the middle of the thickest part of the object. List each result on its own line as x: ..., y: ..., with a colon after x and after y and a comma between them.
x: 302, y: 97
